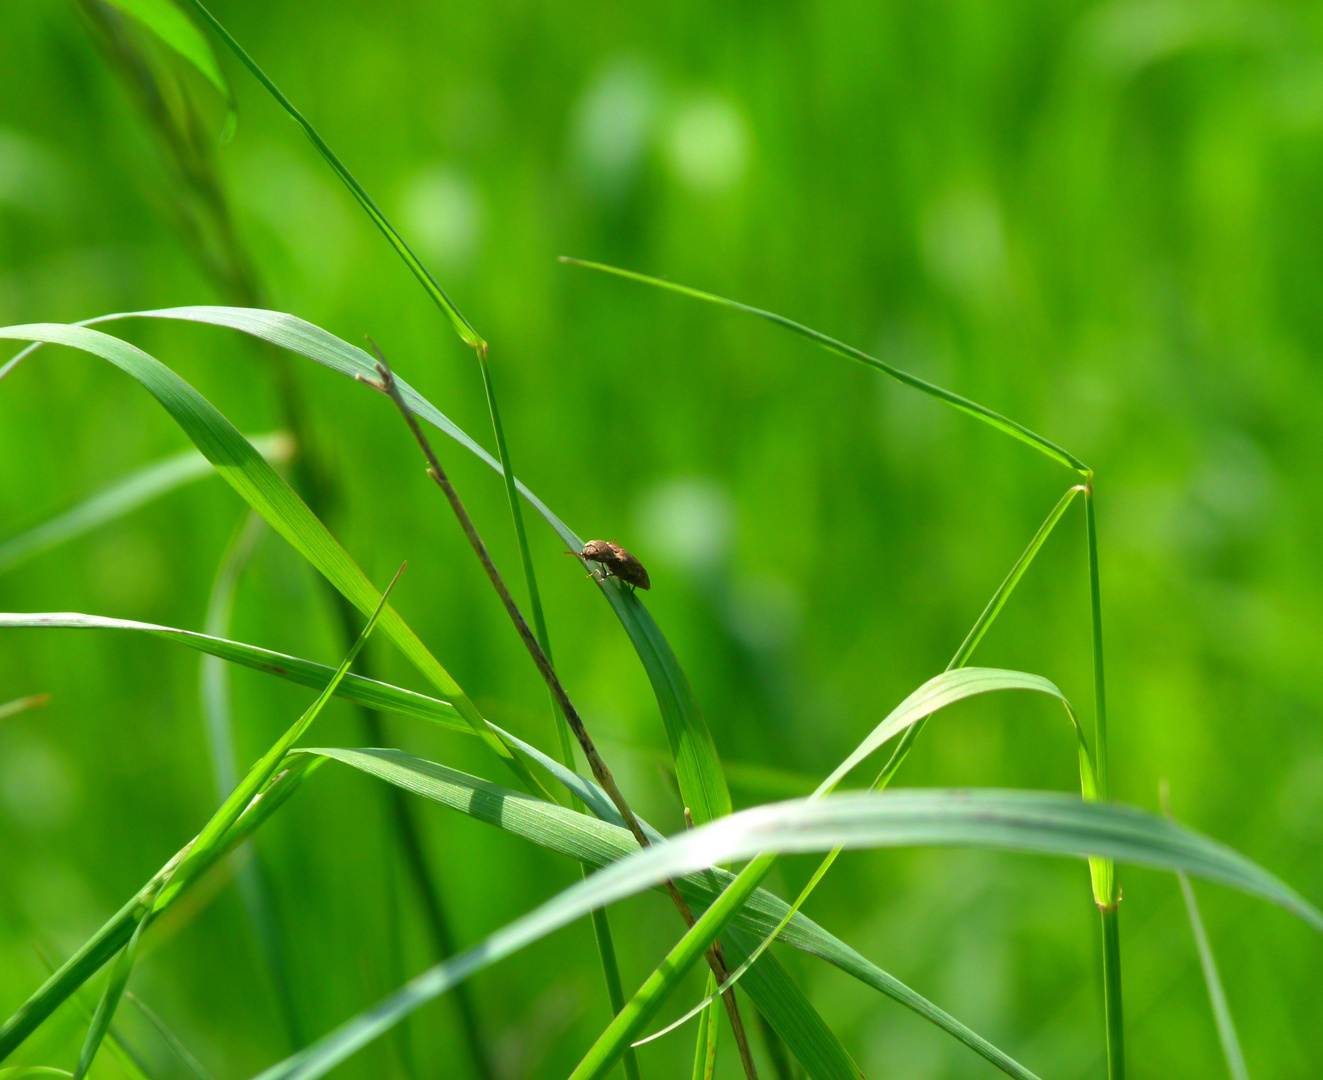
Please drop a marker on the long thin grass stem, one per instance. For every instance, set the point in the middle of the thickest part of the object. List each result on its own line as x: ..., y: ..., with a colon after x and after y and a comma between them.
x: 601, y: 772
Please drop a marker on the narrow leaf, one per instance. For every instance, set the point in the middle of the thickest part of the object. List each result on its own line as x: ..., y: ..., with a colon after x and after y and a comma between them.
x: 254, y: 478
x: 698, y: 767
x: 1042, y: 822
x: 988, y: 416
x: 125, y: 496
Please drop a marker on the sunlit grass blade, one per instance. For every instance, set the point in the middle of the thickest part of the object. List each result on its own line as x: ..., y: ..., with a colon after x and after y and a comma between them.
x: 698, y: 768
x: 705, y: 1046
x: 602, y: 842
x: 434, y: 290
x: 762, y: 915
x: 170, y: 1038
x: 125, y: 496
x: 174, y: 28
x: 20, y: 1072
x: 265, y: 767
x: 1038, y: 822
x: 259, y: 484
x: 114, y: 990
x: 128, y: 1059
x: 119, y: 928
x: 355, y: 688
x: 988, y: 416
x: 23, y: 704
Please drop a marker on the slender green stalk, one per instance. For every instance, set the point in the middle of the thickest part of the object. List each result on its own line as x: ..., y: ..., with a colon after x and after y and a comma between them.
x: 601, y: 771
x: 470, y: 336
x: 1110, y: 887
x: 973, y: 408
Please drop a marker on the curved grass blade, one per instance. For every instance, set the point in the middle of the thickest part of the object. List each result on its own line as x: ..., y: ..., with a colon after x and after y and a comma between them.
x: 20, y: 1072
x: 973, y: 408
x: 1040, y: 822
x: 600, y: 843
x: 254, y: 478
x: 118, y: 929
x: 265, y: 767
x: 705, y: 1046
x: 1217, y: 998
x: 110, y: 997
x: 763, y: 916
x: 355, y: 688
x: 698, y: 767
x: 23, y: 704
x: 174, y: 28
x: 125, y: 496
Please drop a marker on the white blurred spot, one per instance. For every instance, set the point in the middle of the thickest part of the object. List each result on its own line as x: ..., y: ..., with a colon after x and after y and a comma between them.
x: 964, y: 245
x: 443, y: 212
x: 613, y: 124
x: 764, y: 613
x: 31, y: 179
x: 708, y: 145
x: 35, y: 785
x: 689, y: 523
x: 1236, y: 480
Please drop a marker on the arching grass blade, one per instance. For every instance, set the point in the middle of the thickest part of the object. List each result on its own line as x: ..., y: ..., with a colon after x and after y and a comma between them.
x: 125, y: 496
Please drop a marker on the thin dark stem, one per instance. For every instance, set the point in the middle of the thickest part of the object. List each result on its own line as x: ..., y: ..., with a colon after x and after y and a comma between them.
x: 601, y: 771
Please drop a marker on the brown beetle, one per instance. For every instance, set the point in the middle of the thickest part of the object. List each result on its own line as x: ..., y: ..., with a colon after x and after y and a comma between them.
x: 613, y: 560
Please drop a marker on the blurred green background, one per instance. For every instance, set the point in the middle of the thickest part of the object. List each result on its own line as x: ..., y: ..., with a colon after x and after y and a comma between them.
x: 1101, y: 219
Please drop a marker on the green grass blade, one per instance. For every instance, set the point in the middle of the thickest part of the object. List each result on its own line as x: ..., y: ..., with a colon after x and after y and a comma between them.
x: 434, y: 290
x: 600, y: 843
x: 1226, y: 1026
x: 259, y: 484
x: 761, y: 917
x: 1039, y: 822
x: 698, y: 767
x: 265, y: 767
x: 115, y: 933
x: 125, y: 496
x: 23, y: 704
x: 355, y: 688
x: 705, y: 1046
x: 981, y: 412
x: 114, y: 990
x: 174, y: 28
x: 20, y: 1072
x: 170, y: 1038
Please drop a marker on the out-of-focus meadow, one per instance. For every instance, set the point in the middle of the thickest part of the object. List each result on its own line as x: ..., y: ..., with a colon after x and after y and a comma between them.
x: 1103, y: 220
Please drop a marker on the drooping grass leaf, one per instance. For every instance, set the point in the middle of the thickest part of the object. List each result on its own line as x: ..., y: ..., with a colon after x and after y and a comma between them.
x: 125, y: 496
x: 601, y: 842
x: 764, y: 915
x: 973, y: 408
x: 176, y: 30
x: 698, y: 767
x: 1041, y: 822
x: 254, y: 478
x: 355, y: 688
